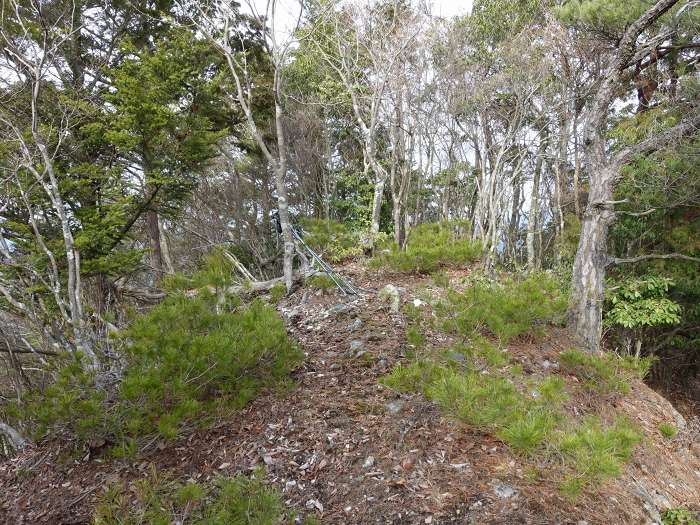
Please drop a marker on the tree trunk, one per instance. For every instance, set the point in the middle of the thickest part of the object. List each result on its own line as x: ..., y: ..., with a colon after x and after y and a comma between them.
x: 16, y: 440
x: 377, y: 207
x: 399, y: 223
x: 533, y: 221
x: 156, y: 252
x: 588, y: 279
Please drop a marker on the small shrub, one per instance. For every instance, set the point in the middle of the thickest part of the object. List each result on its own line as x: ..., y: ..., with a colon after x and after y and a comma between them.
x: 224, y: 501
x: 330, y: 239
x: 680, y: 516
x: 604, y: 372
x: 415, y: 377
x: 70, y: 407
x: 320, y: 281
x: 277, y: 292
x: 430, y: 247
x: 506, y: 309
x: 183, y: 355
x: 667, y: 430
x: 488, y: 402
x: 596, y: 453
x: 184, y: 358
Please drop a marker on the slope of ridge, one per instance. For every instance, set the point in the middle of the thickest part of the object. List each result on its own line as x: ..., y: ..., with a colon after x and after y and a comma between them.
x: 349, y: 450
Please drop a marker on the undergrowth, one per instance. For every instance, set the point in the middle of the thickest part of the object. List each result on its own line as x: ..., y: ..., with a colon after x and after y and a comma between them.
x: 320, y: 281
x: 490, y: 402
x: 183, y: 361
x: 333, y: 240
x: 430, y: 247
x: 680, y: 516
x: 505, y: 309
x: 667, y: 430
x: 607, y: 372
x: 158, y: 500
x: 596, y: 452
x: 476, y: 382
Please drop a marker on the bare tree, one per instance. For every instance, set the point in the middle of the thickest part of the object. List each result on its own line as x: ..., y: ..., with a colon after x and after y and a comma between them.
x: 32, y: 62
x: 219, y: 23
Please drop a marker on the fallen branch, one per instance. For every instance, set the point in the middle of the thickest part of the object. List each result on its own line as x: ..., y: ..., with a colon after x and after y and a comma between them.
x: 615, y: 260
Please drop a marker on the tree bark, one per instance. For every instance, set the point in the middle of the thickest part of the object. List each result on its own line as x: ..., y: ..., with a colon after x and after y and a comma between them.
x: 533, y: 221
x: 16, y: 440
x: 587, y: 281
x: 588, y: 278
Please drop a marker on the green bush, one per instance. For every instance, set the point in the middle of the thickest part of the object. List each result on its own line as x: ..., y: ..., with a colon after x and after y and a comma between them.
x: 183, y: 356
x: 596, y: 453
x: 606, y: 372
x: 330, y: 239
x: 430, y: 247
x: 506, y: 309
x: 680, y: 516
x: 71, y: 406
x: 489, y: 402
x: 181, y: 360
x: 667, y: 430
x: 529, y: 417
x: 320, y: 281
x: 224, y: 501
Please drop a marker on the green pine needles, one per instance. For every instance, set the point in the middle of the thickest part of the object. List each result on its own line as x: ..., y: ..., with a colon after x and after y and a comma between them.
x: 430, y: 247
x: 476, y: 382
x: 184, y: 360
x: 159, y: 500
x: 506, y: 309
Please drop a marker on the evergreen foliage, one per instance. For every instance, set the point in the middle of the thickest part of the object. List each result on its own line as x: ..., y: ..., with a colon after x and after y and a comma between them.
x: 596, y: 452
x: 506, y: 309
x: 332, y: 240
x: 183, y: 359
x: 430, y: 247
x: 668, y: 430
x: 607, y: 372
x: 159, y: 500
x: 680, y: 516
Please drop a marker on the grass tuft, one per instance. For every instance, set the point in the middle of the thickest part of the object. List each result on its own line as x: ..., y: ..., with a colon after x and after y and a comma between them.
x: 604, y: 373
x: 667, y: 430
x: 595, y: 452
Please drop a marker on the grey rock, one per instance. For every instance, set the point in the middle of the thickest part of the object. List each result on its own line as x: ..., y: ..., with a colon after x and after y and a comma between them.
x: 457, y: 356
x: 355, y: 325
x: 504, y: 490
x: 356, y: 346
x: 395, y: 406
x: 340, y: 309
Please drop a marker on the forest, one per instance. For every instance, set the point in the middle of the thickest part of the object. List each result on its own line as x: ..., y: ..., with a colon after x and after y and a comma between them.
x: 349, y: 261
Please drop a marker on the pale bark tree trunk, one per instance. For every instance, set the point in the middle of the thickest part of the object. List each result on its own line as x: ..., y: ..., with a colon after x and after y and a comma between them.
x: 16, y: 440
x: 533, y: 222
x: 588, y: 278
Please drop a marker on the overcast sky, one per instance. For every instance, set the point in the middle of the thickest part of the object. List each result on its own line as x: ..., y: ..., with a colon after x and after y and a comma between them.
x: 288, y: 11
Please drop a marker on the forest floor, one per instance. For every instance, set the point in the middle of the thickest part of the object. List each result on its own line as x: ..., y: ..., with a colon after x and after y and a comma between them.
x: 351, y: 451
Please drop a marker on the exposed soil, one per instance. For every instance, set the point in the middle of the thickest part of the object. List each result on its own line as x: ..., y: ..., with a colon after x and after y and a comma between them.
x: 343, y: 447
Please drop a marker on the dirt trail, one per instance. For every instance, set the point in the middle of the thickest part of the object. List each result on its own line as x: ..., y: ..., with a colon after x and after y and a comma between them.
x: 343, y: 447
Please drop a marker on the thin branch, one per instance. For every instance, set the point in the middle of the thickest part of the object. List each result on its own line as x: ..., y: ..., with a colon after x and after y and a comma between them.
x: 616, y: 260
